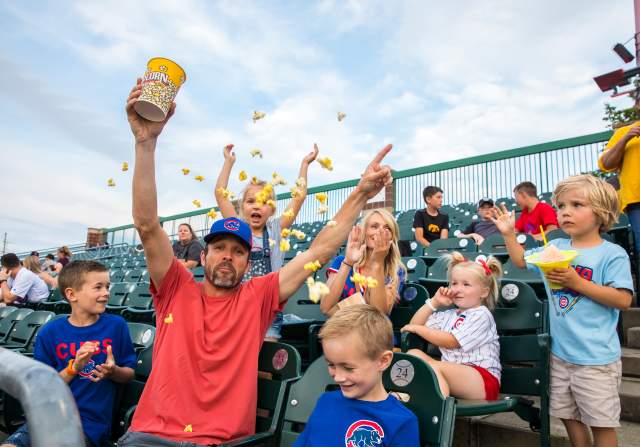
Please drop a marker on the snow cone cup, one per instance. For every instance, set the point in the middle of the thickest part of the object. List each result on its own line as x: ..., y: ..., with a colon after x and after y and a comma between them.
x: 160, y: 85
x: 569, y: 255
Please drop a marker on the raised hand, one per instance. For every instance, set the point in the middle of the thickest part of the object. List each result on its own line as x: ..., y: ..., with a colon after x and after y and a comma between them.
x: 143, y: 129
x: 443, y: 297
x: 105, y: 370
x: 503, y: 219
x: 311, y: 156
x: 84, y: 354
x: 355, y: 248
x: 381, y: 244
x: 376, y: 176
x: 229, y: 155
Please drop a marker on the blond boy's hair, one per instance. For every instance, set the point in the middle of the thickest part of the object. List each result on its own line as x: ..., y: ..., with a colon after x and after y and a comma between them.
x: 489, y: 276
x: 373, y: 327
x: 602, y: 197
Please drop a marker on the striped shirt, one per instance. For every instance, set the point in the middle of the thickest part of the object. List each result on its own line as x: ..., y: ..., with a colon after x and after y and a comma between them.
x: 475, y: 330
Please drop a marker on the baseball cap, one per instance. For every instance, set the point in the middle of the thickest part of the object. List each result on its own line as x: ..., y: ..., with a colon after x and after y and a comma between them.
x: 35, y: 253
x: 232, y: 226
x: 485, y: 201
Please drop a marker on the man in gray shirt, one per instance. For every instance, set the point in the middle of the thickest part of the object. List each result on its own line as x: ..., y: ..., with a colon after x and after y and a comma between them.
x: 18, y: 284
x: 480, y: 229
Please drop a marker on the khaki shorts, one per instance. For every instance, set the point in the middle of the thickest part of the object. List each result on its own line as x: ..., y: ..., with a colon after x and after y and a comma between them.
x: 586, y: 393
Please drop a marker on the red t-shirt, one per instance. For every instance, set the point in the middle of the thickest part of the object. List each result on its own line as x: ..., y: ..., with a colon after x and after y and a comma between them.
x: 542, y: 214
x: 205, y: 363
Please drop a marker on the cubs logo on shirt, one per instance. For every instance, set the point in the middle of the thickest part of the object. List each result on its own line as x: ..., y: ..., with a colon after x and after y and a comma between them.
x: 88, y: 369
x: 232, y: 225
x: 364, y: 433
x: 458, y: 322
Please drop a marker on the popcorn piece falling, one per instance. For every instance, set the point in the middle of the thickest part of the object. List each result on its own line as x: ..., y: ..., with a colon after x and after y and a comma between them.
x: 298, y: 234
x: 341, y: 116
x: 212, y: 213
x: 271, y: 203
x: 225, y: 193
x: 322, y: 197
x: 301, y: 182
x: 323, y: 209
x: 197, y: 203
x: 169, y: 319
x: 317, y: 289
x: 326, y: 163
x: 255, y: 180
x: 199, y: 178
x: 331, y: 223
x: 188, y: 428
x: 313, y: 266
x: 288, y: 213
x: 285, y: 245
x: 272, y: 243
x: 242, y: 175
x: 257, y: 115
x: 125, y: 166
x: 111, y: 183
x: 363, y: 280
x: 295, y: 192
x: 186, y: 171
x: 285, y: 232
x: 256, y: 153
x: 277, y: 180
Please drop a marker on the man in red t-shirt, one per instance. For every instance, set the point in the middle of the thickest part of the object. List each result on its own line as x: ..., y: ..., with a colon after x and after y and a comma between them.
x: 534, y: 212
x: 203, y: 386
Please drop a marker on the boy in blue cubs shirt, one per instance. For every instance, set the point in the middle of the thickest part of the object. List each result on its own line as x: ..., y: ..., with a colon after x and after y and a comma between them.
x: 91, y: 350
x: 357, y: 343
x: 585, y: 362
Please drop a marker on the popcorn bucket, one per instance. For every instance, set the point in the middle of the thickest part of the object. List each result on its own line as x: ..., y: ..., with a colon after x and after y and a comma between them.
x: 160, y: 85
x: 569, y: 255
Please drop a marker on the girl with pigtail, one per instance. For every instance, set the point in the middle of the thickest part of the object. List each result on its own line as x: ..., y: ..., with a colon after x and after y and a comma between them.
x: 466, y: 334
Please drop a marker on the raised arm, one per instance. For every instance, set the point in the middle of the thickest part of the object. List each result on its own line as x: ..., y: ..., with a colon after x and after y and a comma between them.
x: 506, y: 221
x: 157, y: 248
x: 224, y: 204
x: 329, y: 239
x: 298, y: 200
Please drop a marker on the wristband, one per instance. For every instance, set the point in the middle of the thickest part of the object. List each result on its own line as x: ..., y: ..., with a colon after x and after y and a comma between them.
x: 70, y: 369
x: 348, y: 265
x: 430, y: 306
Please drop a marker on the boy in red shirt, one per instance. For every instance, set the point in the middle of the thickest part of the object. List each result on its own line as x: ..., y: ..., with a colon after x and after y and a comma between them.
x: 534, y: 212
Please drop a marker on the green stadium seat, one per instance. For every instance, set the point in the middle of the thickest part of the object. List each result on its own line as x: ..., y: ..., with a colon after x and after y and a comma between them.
x: 437, y: 276
x: 8, y: 323
x: 443, y: 246
x: 6, y: 311
x: 23, y: 333
x: 137, y: 304
x: 117, y: 295
x: 530, y: 277
x: 198, y: 274
x: 49, y: 304
x: 142, y: 335
x: 416, y: 268
x: 300, y: 315
x: 133, y: 276
x: 413, y: 298
x: 495, y: 245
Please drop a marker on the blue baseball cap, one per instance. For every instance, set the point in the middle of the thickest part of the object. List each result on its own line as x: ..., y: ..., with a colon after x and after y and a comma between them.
x: 232, y: 226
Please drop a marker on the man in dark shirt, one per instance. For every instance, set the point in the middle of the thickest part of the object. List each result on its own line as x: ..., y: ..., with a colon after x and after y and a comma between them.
x: 482, y: 228
x: 430, y: 224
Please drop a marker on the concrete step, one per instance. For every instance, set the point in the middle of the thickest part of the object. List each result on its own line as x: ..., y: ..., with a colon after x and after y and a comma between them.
x: 633, y: 337
x: 630, y: 399
x: 508, y: 430
x: 631, y: 362
x: 630, y: 318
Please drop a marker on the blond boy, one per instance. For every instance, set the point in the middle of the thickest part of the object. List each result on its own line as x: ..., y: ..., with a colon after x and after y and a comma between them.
x: 357, y: 343
x: 585, y: 361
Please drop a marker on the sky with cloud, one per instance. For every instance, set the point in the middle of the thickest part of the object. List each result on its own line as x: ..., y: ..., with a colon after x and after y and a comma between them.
x: 441, y: 81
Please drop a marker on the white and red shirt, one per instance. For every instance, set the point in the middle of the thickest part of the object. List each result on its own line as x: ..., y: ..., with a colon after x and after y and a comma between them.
x: 475, y: 330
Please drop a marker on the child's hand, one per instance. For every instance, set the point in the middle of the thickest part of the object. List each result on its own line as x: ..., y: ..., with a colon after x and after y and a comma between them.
x: 84, y: 354
x: 503, y: 219
x: 311, y: 156
x: 568, y: 277
x: 355, y: 249
x: 412, y: 328
x: 229, y: 156
x: 443, y: 297
x: 105, y: 370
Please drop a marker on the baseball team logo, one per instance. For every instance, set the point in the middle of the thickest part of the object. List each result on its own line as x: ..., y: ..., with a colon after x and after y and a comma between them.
x: 363, y: 433
x: 232, y: 225
x: 458, y: 322
x: 88, y: 368
x: 563, y: 302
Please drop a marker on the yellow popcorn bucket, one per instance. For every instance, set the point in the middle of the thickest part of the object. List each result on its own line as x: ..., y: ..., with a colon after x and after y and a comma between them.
x: 569, y: 255
x: 160, y: 85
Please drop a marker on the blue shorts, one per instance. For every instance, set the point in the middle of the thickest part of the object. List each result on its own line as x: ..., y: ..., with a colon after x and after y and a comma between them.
x: 275, y: 329
x: 20, y: 438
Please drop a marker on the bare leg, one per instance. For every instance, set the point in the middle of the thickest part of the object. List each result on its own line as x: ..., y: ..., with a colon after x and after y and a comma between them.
x: 578, y: 433
x: 604, y: 437
x: 442, y: 382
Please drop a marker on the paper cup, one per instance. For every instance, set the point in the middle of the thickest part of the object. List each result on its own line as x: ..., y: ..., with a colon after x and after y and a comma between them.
x: 160, y: 85
x: 569, y: 255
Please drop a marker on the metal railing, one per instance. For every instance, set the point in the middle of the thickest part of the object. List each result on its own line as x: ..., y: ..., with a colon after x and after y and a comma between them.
x: 45, y: 398
x: 466, y: 180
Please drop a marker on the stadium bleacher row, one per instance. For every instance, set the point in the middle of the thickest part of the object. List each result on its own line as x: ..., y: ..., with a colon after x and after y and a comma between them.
x: 287, y: 395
